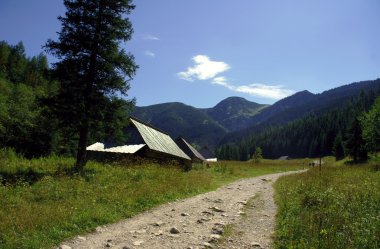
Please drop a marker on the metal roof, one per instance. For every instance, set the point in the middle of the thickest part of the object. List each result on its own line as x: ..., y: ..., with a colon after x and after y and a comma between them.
x: 188, y: 149
x: 126, y: 148
x: 157, y: 140
x: 206, y: 152
x: 96, y: 147
x: 130, y: 149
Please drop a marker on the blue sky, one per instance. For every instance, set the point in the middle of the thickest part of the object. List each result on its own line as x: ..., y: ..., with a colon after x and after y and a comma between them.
x: 201, y: 51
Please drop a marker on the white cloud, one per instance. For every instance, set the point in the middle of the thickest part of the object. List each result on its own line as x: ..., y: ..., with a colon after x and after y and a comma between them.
x: 206, y: 69
x: 265, y: 91
x: 222, y: 81
x: 203, y: 69
x: 260, y: 90
x: 150, y: 37
x: 149, y: 53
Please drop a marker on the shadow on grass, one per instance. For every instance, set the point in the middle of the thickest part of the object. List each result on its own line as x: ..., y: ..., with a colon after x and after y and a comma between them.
x: 24, y: 176
x: 31, y: 176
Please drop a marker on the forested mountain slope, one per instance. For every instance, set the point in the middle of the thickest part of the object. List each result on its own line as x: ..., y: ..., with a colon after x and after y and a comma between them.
x: 235, y: 113
x: 200, y: 126
x: 234, y: 119
x: 318, y: 133
x: 301, y: 104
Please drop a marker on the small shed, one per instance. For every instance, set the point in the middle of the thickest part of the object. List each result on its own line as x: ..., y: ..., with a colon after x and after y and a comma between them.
x: 208, y: 154
x: 195, y: 156
x: 144, y: 140
x: 284, y: 158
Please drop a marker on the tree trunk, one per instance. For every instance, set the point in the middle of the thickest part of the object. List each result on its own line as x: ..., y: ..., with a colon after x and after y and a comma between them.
x: 81, y: 151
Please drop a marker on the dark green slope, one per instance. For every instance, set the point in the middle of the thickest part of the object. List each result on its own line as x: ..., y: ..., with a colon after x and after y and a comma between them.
x: 179, y: 119
x: 322, y: 119
x: 301, y: 104
x: 234, y: 119
x: 201, y: 126
x: 235, y: 113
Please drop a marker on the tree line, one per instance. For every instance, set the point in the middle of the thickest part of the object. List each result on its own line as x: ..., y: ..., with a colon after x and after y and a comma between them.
x: 352, y: 129
x: 24, y: 121
x: 79, y: 99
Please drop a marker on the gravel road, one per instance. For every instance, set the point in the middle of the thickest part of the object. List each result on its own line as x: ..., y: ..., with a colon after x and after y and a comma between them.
x: 238, y: 215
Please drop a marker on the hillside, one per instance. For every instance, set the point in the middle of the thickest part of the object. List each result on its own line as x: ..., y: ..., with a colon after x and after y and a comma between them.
x: 235, y: 113
x: 182, y: 120
x: 301, y: 104
x: 234, y: 119
x: 200, y: 126
x: 318, y: 133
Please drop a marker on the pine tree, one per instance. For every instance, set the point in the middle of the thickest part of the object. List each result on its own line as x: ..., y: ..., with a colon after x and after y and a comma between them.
x: 371, y: 127
x: 355, y: 143
x: 338, y: 147
x: 258, y: 155
x: 93, y: 70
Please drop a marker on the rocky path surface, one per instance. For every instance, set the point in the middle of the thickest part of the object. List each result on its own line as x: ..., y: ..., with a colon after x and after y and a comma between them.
x: 238, y: 215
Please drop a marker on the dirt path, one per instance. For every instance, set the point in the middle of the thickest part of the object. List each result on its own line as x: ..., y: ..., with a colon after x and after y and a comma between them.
x: 244, y: 210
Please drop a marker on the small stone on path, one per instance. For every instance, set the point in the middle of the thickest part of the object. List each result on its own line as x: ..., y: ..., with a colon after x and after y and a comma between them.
x: 214, y: 237
x: 185, y: 214
x: 81, y: 238
x: 207, y: 213
x: 216, y: 209
x: 159, y: 233
x: 64, y: 247
x: 207, y: 245
x: 255, y: 245
x: 216, y: 230
x: 158, y: 223
x: 174, y: 230
x: 138, y: 243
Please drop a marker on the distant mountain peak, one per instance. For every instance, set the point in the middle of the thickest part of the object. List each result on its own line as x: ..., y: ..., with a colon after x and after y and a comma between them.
x: 235, y: 117
x: 295, y: 99
x: 234, y: 100
x: 234, y: 113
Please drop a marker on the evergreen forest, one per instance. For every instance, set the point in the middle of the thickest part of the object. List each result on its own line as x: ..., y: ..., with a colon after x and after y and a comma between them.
x: 349, y: 129
x: 29, y: 123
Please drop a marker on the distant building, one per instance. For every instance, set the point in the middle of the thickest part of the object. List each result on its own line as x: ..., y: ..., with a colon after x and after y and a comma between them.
x: 284, y: 158
x: 208, y: 154
x: 195, y: 156
x: 144, y: 140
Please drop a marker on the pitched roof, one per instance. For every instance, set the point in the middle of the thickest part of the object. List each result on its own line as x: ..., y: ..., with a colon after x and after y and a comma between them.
x: 206, y: 152
x: 188, y: 149
x: 129, y: 149
x: 158, y: 140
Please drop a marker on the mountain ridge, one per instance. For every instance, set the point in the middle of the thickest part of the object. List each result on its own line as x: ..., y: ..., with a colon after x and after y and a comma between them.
x: 235, y: 117
x: 193, y: 123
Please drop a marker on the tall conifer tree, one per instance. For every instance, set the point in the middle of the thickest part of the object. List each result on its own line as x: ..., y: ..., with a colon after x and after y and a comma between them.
x: 355, y: 143
x: 92, y: 69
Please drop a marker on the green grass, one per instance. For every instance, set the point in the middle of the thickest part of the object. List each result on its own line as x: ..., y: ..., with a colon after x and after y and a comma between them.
x: 337, y: 207
x: 42, y: 203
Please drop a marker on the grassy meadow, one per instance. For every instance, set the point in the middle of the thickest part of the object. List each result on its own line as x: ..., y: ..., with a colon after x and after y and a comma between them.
x: 42, y: 202
x: 337, y: 207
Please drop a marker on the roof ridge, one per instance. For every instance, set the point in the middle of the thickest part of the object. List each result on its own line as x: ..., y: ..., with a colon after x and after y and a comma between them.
x: 147, y: 124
